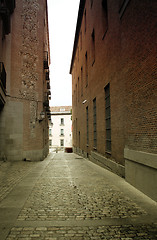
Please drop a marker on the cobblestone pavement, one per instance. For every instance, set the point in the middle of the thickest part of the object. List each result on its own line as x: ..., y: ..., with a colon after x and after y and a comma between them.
x: 68, y: 197
x: 11, y: 174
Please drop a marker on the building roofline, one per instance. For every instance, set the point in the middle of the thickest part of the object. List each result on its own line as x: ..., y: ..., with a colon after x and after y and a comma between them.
x: 47, y: 26
x: 78, y: 26
x: 59, y: 114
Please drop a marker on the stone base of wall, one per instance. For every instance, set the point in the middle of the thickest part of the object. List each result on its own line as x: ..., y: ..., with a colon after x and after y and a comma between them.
x: 80, y: 152
x: 36, y: 155
x: 107, y: 163
x: 102, y: 161
x: 11, y: 131
x: 141, y: 171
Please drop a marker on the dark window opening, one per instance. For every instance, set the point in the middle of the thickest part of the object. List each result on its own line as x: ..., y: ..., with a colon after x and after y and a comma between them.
x: 93, y: 47
x: 94, y: 124
x: 86, y: 68
x: 62, y: 142
x: 85, y: 21
x: 62, y: 121
x: 104, y: 17
x: 78, y: 89
x: 87, y: 125
x: 2, y: 76
x: 81, y: 81
x: 123, y: 6
x: 108, y: 118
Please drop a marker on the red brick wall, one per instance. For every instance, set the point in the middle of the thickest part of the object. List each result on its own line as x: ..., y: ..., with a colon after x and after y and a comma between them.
x: 26, y: 82
x: 125, y: 58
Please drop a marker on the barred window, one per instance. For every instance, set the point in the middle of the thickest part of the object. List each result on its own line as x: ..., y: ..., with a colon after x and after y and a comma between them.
x: 87, y: 125
x: 93, y: 47
x: 81, y: 81
x: 94, y: 124
x: 86, y: 68
x: 104, y: 17
x: 108, y: 118
x: 123, y: 6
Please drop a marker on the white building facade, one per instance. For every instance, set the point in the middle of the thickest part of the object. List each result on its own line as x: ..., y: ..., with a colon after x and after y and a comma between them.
x: 60, y: 128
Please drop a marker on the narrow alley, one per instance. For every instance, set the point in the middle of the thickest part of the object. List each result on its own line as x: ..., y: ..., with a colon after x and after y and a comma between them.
x: 68, y: 197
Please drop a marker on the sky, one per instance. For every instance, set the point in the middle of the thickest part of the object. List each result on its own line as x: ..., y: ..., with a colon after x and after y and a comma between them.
x: 62, y: 15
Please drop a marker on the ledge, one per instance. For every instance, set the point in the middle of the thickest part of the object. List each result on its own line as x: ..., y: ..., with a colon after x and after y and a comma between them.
x: 109, y: 164
x: 147, y: 159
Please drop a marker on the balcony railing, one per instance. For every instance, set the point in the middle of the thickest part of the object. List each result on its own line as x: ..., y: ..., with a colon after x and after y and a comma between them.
x: 2, y: 76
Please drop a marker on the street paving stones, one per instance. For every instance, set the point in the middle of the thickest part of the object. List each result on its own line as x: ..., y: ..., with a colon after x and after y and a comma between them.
x: 68, y: 197
x: 11, y: 173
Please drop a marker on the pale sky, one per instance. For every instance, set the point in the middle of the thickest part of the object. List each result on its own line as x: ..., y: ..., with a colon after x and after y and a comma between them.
x: 62, y: 24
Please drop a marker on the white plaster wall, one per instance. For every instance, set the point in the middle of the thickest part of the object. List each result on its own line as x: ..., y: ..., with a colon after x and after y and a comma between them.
x: 56, y: 130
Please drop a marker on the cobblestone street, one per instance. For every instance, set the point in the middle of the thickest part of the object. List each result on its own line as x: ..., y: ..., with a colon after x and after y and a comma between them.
x: 68, y: 197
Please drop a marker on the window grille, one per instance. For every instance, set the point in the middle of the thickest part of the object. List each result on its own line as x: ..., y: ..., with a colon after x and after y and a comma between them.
x: 94, y: 124
x: 87, y: 124
x: 108, y: 118
x: 81, y: 81
x: 86, y: 66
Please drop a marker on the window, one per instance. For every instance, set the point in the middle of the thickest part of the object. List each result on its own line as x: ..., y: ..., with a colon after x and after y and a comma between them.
x: 62, y: 121
x: 86, y: 68
x: 104, y: 17
x: 62, y: 132
x: 78, y: 95
x: 50, y: 142
x: 87, y: 125
x: 81, y: 40
x: 62, y: 142
x: 78, y: 53
x: 81, y: 81
x: 108, y: 118
x: 94, y: 124
x: 85, y: 21
x: 3, y: 75
x: 79, y: 139
x: 76, y: 131
x: 74, y: 98
x: 50, y: 132
x: 93, y: 47
x: 123, y: 5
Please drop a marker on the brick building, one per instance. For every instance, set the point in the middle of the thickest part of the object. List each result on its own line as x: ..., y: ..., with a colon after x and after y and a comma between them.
x: 24, y: 79
x: 60, y: 129
x: 114, y: 88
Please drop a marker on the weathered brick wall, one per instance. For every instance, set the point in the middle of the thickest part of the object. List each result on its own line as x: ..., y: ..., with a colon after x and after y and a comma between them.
x: 125, y: 58
x: 139, y: 71
x: 28, y: 41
